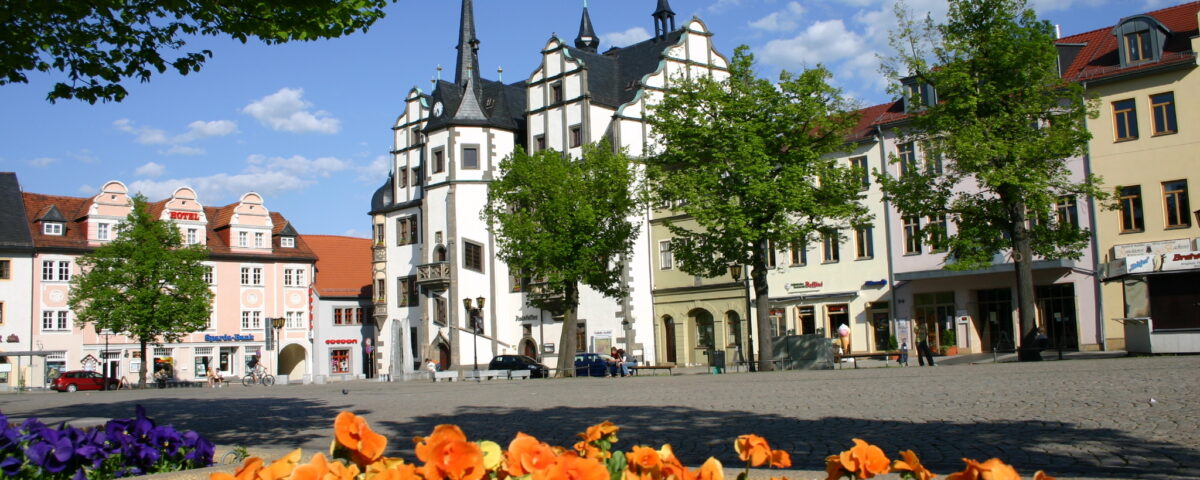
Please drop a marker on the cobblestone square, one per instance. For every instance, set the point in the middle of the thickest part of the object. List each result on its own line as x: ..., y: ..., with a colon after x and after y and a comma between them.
x: 1075, y: 419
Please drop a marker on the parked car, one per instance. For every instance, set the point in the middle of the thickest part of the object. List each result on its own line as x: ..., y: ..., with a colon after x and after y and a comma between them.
x: 519, y: 362
x: 594, y: 365
x: 81, y: 380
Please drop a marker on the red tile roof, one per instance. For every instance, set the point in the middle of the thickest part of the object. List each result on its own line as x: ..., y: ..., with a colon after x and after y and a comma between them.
x: 76, y: 209
x: 1099, y: 56
x: 343, y: 265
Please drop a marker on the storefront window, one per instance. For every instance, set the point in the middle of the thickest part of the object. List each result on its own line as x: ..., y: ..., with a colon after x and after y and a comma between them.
x: 778, y: 325
x: 339, y: 361
x: 806, y: 319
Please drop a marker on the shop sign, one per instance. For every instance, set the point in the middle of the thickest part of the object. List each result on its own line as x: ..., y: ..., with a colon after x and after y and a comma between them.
x: 229, y: 338
x: 341, y: 341
x: 1152, y: 248
x: 808, y: 285
x: 185, y: 216
x: 875, y: 283
x: 1139, y: 263
x: 1181, y: 261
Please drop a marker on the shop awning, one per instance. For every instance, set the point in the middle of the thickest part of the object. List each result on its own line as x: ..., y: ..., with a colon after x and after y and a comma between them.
x: 812, y: 296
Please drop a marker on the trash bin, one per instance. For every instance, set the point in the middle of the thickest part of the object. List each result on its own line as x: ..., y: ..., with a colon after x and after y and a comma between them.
x: 716, y: 361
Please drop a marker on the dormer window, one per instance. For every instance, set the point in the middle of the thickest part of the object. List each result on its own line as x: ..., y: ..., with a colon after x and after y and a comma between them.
x: 52, y: 228
x: 287, y: 242
x: 917, y: 94
x: 1140, y: 39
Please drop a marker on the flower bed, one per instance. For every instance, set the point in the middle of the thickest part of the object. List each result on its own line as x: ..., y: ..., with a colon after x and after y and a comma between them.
x: 119, y: 448
x: 356, y: 453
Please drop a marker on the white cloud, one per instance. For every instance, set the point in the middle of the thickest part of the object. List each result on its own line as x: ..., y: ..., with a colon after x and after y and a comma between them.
x: 286, y: 111
x: 721, y: 5
x: 43, y: 162
x: 296, y: 165
x: 782, y: 21
x: 377, y: 169
x: 196, y: 130
x: 626, y: 38
x: 353, y: 232
x: 150, y: 170
x: 822, y: 42
x: 88, y: 190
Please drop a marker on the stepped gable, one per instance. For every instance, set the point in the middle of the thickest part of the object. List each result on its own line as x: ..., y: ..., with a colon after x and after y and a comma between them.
x: 14, y: 225
x: 1098, y: 56
x: 343, y: 265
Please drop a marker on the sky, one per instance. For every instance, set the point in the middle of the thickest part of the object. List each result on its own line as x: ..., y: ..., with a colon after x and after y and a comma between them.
x: 308, y: 125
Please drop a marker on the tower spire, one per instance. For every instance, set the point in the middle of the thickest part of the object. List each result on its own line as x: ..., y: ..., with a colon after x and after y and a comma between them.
x: 468, y: 46
x: 587, y: 35
x: 664, y: 19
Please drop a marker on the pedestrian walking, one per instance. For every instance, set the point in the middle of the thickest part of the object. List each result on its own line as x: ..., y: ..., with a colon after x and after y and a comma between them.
x: 923, y: 352
x: 904, y: 353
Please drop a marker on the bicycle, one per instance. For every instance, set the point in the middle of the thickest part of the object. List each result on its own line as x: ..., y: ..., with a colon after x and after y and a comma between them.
x: 258, y: 376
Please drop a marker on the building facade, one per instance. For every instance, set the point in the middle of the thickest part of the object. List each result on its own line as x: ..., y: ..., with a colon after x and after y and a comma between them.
x: 342, y: 322
x: 432, y: 253
x: 259, y: 269
x: 1146, y: 145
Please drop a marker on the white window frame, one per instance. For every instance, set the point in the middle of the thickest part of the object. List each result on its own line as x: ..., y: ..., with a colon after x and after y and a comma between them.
x: 251, y: 320
x: 287, y: 242
x: 56, y: 321
x: 666, y: 259
x: 192, y: 235
x: 258, y: 240
x: 243, y: 239
x: 295, y: 320
x: 52, y: 228
x: 103, y: 232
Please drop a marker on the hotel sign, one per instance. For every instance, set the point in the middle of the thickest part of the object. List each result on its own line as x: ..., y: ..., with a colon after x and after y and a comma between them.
x: 193, y: 216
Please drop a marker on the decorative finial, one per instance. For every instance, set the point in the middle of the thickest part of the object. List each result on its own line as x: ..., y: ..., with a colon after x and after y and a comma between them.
x: 500, y: 73
x: 439, y: 71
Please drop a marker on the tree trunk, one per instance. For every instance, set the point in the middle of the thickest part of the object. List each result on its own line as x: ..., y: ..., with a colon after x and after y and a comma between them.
x: 1023, y: 265
x: 766, y: 344
x: 142, y: 371
x: 566, y: 341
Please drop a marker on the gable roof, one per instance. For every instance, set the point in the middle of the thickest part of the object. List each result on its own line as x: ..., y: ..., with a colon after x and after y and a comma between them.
x: 1098, y: 55
x: 72, y: 210
x: 14, y: 229
x: 343, y: 265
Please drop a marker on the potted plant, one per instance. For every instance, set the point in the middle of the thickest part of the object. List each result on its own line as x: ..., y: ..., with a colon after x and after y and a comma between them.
x: 893, y: 346
x: 949, y: 344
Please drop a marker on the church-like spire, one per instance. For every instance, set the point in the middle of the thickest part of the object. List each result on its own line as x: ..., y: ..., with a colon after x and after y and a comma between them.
x: 664, y: 19
x: 587, y: 35
x: 468, y: 46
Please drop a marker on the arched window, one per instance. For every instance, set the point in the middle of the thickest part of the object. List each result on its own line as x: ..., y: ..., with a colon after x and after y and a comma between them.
x: 705, y: 334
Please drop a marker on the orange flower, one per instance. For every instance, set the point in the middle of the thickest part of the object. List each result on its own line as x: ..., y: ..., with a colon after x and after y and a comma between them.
x: 1040, y: 475
x: 351, y: 432
x: 711, y: 470
x: 587, y: 450
x: 400, y: 472
x: 597, y: 432
x: 671, y: 466
x: 993, y: 469
x: 863, y: 460
x: 448, y: 454
x: 912, y: 464
x: 315, y: 469
x: 780, y: 459
x: 248, y: 471
x: 527, y: 455
x: 281, y: 468
x: 570, y: 466
x: 382, y: 465
x: 752, y: 448
x: 644, y: 458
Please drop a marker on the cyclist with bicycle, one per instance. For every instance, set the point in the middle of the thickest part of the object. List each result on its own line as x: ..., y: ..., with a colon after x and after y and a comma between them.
x: 255, y: 373
x: 254, y: 367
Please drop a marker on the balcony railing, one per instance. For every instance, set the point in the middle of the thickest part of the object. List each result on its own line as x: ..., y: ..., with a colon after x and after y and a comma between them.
x: 433, y: 273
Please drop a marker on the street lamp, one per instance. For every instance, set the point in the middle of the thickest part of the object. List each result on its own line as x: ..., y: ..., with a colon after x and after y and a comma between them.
x: 735, y: 271
x: 277, y: 323
x: 476, y: 316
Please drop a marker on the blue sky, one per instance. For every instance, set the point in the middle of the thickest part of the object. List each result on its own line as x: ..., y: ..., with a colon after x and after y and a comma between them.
x: 308, y: 124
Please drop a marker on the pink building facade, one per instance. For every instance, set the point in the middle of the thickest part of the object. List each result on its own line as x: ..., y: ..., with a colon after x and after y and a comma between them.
x: 259, y: 269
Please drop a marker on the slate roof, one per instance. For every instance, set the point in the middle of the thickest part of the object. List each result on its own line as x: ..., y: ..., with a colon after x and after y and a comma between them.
x: 614, y: 76
x: 14, y: 228
x: 343, y: 265
x: 1098, y: 56
x: 503, y: 105
x: 74, y: 237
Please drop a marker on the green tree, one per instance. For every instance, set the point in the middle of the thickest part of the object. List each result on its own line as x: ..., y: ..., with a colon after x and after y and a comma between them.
x: 144, y: 284
x: 751, y: 162
x: 1007, y: 123
x: 101, y: 43
x: 564, y: 223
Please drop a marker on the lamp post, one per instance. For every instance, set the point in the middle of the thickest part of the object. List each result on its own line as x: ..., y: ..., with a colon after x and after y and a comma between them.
x: 104, y: 358
x: 277, y: 323
x: 476, y: 316
x: 735, y: 271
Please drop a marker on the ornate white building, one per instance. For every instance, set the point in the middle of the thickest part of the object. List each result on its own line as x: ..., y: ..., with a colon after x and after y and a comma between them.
x: 432, y: 251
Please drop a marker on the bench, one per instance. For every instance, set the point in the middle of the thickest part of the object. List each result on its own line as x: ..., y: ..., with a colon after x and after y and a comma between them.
x: 668, y: 366
x: 484, y: 374
x: 515, y: 374
x: 450, y: 376
x: 837, y: 357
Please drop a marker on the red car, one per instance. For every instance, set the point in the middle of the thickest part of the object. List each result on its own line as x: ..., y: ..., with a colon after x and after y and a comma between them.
x: 81, y: 380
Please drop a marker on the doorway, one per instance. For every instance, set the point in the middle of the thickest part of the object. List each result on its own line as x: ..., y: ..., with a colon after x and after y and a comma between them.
x: 669, y: 338
x: 995, y: 313
x: 806, y: 319
x: 933, y: 312
x: 443, y: 357
x: 1056, y: 309
x: 881, y: 325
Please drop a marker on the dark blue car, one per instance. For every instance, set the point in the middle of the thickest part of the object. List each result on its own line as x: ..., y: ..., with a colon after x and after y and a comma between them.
x: 594, y: 365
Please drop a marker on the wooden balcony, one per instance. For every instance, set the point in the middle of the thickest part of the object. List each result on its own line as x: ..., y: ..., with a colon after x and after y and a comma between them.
x: 437, y: 273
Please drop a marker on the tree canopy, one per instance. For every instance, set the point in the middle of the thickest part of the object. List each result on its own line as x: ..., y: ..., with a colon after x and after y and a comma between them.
x: 752, y: 163
x: 1007, y: 124
x: 144, y: 284
x: 563, y: 223
x: 101, y: 44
